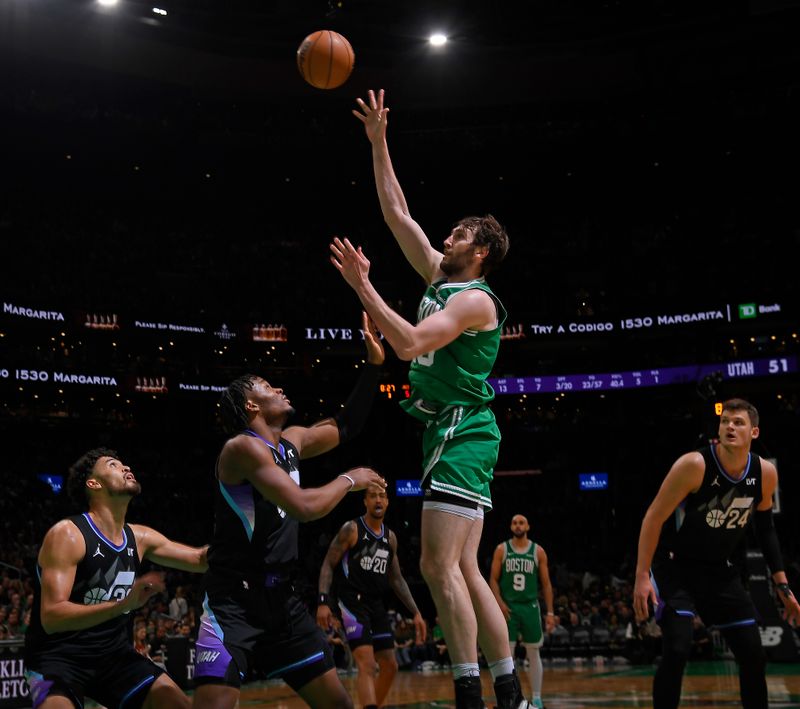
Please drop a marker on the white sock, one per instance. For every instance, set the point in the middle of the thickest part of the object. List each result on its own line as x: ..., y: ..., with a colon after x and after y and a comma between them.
x: 501, y: 667
x: 466, y: 669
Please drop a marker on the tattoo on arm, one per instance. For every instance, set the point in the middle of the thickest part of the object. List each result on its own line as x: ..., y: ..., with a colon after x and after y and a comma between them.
x: 340, y: 544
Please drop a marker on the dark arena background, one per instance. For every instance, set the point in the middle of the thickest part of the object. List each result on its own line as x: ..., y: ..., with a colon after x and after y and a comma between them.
x: 170, y: 188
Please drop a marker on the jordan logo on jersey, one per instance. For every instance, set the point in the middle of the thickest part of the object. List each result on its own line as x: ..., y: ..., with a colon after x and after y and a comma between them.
x: 716, y: 481
x: 98, y: 552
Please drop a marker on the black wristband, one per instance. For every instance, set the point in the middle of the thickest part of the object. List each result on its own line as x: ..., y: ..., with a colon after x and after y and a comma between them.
x: 784, y: 589
x: 323, y: 599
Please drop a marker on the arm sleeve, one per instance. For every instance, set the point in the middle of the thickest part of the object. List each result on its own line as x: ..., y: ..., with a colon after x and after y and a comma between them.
x: 353, y: 415
x: 768, y: 540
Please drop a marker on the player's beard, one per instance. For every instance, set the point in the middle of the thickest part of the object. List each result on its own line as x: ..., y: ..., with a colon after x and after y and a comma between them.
x: 132, y: 488
x: 518, y: 534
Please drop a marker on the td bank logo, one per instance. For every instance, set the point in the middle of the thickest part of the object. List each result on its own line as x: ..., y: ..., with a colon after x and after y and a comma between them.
x: 747, y: 311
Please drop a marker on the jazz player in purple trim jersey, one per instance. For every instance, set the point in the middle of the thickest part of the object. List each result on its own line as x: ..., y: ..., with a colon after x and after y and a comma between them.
x: 363, y: 560
x: 251, y: 615
x: 688, y: 565
x: 79, y: 643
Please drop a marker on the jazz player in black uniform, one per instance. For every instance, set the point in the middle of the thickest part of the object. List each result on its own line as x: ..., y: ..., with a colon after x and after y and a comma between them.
x: 79, y: 641
x: 714, y: 494
x: 363, y: 559
x: 251, y: 615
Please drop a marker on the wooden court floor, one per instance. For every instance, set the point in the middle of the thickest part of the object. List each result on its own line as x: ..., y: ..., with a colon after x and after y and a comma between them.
x: 707, y: 684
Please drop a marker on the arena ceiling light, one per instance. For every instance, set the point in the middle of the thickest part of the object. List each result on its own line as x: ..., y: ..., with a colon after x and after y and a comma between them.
x: 107, y: 3
x: 437, y: 39
x: 159, y: 11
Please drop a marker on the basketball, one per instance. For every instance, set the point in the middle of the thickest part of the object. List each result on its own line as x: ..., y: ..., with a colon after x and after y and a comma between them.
x: 325, y: 59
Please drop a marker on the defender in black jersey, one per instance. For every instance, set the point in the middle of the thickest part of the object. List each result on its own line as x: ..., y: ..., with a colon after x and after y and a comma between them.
x: 79, y: 642
x: 362, y: 560
x: 252, y: 618
x: 712, y: 496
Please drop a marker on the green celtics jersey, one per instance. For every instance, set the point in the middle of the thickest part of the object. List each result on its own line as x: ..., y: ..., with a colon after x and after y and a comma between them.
x: 519, y: 576
x: 455, y: 374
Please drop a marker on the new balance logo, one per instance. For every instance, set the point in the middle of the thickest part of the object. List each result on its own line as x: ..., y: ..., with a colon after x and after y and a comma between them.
x: 99, y: 553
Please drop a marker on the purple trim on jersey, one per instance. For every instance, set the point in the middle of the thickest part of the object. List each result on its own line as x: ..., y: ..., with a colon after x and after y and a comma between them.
x: 280, y: 449
x: 346, y: 564
x: 722, y: 470
x: 106, y: 539
x: 40, y: 688
x: 353, y: 630
x: 367, y: 527
x: 240, y: 499
x: 211, y: 657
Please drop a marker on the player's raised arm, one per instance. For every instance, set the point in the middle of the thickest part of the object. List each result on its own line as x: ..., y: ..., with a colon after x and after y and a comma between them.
x: 685, y: 476
x: 471, y: 309
x: 328, y: 433
x: 412, y: 240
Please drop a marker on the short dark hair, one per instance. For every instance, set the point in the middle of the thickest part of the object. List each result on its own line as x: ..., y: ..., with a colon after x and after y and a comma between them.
x: 487, y: 231
x: 80, y: 471
x: 232, y: 404
x: 742, y: 405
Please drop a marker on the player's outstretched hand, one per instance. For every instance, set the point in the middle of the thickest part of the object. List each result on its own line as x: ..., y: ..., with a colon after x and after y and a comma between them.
x: 372, y: 339
x: 350, y: 262
x: 144, y: 588
x: 373, y: 115
x: 364, y: 477
x: 643, y: 592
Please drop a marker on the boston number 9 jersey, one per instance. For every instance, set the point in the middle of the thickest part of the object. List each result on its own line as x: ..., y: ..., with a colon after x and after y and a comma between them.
x: 519, y: 577
x: 365, y: 566
x: 710, y: 524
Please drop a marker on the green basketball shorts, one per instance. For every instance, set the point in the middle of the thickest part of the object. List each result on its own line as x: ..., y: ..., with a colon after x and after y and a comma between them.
x: 526, y: 619
x: 459, y: 448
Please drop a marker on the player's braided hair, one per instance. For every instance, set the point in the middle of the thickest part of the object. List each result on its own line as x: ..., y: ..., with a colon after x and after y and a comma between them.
x: 232, y: 404
x: 487, y: 231
x: 80, y: 471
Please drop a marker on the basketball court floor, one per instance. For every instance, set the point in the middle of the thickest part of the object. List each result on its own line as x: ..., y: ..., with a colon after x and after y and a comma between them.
x: 707, y: 684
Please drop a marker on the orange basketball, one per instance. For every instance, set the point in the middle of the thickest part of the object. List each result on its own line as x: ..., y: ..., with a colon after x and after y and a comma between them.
x: 325, y: 59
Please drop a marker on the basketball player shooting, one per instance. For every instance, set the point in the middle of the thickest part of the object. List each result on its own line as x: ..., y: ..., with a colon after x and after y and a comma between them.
x: 452, y: 350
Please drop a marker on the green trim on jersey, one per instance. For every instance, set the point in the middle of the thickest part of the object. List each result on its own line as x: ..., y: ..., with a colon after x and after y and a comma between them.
x: 456, y: 374
x: 519, y: 575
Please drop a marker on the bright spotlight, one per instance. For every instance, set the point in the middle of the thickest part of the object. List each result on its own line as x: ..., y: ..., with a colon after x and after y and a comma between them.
x: 159, y: 11
x: 438, y: 39
x: 107, y: 3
